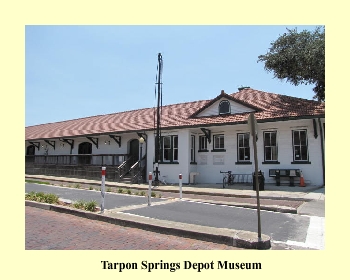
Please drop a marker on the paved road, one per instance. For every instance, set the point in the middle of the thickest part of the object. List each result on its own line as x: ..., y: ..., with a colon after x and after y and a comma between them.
x: 48, y: 230
x: 278, y: 226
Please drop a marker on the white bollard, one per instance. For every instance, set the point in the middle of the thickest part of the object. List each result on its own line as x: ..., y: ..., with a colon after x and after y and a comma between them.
x: 103, y: 173
x: 180, y: 185
x: 149, y: 187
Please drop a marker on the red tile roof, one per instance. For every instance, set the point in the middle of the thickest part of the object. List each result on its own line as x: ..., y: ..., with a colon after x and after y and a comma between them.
x: 269, y: 107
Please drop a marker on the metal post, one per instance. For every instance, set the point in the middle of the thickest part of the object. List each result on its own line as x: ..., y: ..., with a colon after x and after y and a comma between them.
x: 149, y: 187
x: 140, y: 162
x: 159, y: 105
x: 253, y: 131
x: 103, y: 189
x: 180, y: 185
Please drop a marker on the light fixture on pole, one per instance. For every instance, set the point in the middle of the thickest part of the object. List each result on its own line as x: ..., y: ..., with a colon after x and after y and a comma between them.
x: 141, y: 141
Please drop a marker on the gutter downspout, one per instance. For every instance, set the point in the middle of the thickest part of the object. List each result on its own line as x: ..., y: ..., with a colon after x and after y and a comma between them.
x: 322, y: 151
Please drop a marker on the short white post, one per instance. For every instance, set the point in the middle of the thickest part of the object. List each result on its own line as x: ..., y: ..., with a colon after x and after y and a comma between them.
x: 180, y: 185
x: 149, y: 187
x: 103, y: 189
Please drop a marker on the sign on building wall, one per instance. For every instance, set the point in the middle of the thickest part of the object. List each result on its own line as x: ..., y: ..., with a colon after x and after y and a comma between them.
x: 218, y: 160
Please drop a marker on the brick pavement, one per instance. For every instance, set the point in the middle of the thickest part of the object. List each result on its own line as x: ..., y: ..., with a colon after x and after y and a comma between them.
x: 48, y: 230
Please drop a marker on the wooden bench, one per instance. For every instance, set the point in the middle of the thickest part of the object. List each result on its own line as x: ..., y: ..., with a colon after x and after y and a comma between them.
x: 284, y: 173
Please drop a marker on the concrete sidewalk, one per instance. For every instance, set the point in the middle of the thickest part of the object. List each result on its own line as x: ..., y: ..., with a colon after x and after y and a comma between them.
x: 271, y: 191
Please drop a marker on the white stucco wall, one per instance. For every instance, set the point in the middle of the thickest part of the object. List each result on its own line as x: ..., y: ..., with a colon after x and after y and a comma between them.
x: 170, y: 171
x: 209, y: 164
x: 210, y: 171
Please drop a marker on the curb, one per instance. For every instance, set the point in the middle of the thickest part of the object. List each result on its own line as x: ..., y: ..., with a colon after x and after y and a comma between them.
x: 272, y: 208
x: 184, y: 191
x: 231, y: 237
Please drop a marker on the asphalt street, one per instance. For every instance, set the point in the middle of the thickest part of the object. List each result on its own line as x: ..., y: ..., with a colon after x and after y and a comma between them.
x: 279, y: 226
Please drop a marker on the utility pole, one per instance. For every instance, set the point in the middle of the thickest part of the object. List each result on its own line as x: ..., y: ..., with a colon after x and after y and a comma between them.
x: 158, y: 118
x: 253, y: 129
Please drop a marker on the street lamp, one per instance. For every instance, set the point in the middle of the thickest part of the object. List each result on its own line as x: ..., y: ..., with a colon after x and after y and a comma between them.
x: 141, y: 141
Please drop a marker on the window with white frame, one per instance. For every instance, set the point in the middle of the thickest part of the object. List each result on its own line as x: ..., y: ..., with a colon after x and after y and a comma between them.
x: 243, y: 153
x: 218, y: 142
x: 300, y: 145
x: 193, y: 148
x: 170, y: 149
x: 175, y: 148
x: 270, y: 145
x: 203, y: 143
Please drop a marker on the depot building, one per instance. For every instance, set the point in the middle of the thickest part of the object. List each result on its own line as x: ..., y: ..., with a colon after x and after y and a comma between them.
x: 198, y: 139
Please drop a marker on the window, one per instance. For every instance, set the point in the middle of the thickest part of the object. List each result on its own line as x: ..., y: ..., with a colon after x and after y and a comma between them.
x: 166, y: 148
x: 243, y: 152
x: 224, y: 107
x: 203, y: 144
x: 193, y: 156
x: 300, y: 149
x: 175, y: 148
x: 218, y: 142
x: 270, y: 145
x: 169, y: 149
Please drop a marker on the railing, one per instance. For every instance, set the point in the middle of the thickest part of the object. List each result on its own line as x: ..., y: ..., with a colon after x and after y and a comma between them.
x: 86, y: 159
x: 76, y: 166
x: 138, y: 171
x: 124, y: 168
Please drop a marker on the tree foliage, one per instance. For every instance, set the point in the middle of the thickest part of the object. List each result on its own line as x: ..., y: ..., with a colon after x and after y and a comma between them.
x: 299, y: 58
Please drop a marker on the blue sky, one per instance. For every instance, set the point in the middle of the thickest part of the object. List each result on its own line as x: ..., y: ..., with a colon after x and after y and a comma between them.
x: 80, y: 71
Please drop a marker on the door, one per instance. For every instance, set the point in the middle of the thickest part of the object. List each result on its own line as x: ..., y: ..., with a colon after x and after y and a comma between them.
x: 134, y: 150
x: 85, y: 148
x: 30, y: 155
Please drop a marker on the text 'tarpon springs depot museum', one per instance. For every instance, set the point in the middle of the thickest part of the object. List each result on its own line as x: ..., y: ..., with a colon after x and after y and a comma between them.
x: 198, y: 139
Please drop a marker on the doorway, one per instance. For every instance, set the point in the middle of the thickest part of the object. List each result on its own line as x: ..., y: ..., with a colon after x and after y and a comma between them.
x: 134, y: 150
x: 85, y: 148
x: 30, y: 154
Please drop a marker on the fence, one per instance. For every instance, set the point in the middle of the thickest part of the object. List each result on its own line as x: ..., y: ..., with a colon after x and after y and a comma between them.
x: 77, y: 166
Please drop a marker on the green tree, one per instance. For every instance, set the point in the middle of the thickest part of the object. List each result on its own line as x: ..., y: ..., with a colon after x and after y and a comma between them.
x: 299, y: 58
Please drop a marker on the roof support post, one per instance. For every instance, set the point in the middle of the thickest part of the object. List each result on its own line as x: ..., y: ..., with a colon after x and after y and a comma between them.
x: 315, y: 128
x: 68, y: 141
x: 93, y: 140
x: 117, y: 139
x: 322, y: 151
x: 51, y: 143
x: 207, y: 134
x: 35, y: 144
